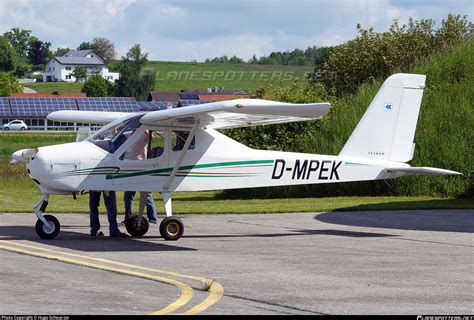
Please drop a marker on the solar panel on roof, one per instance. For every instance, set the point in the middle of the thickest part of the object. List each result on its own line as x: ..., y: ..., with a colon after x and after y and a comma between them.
x: 4, y: 107
x: 154, y: 105
x: 189, y: 95
x: 187, y: 103
x: 114, y: 104
x: 40, y: 107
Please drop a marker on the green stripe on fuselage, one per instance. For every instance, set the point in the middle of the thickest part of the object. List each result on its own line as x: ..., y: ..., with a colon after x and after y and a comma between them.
x: 197, y: 166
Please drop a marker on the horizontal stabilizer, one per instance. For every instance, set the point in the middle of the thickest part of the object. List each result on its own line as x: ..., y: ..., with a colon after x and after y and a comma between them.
x: 93, y: 117
x: 424, y: 171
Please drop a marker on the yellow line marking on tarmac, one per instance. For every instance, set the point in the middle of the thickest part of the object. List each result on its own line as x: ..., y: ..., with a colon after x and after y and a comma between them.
x: 186, y: 290
x: 216, y: 291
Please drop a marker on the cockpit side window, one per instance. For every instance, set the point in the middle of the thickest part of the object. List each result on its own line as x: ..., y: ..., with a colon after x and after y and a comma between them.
x: 113, y: 137
x: 178, y: 139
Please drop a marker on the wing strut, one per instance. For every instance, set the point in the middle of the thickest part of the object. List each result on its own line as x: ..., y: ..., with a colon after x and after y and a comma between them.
x: 181, y: 156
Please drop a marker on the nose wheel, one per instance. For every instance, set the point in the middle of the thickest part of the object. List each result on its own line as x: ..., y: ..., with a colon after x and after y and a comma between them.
x: 50, y: 230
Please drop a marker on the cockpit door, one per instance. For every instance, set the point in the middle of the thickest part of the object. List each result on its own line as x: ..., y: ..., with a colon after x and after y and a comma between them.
x: 143, y: 160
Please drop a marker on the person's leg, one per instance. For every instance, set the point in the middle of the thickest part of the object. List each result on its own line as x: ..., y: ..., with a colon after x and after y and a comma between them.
x: 94, y: 201
x: 110, y: 201
x: 128, y: 197
x: 151, y: 208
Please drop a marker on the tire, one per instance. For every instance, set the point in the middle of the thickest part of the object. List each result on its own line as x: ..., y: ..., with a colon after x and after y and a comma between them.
x: 171, y: 228
x: 23, y: 129
x: 137, y: 226
x: 6, y: 128
x: 43, y: 232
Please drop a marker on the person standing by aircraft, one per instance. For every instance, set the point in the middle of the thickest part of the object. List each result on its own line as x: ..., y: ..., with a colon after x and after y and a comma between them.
x: 110, y: 202
x: 139, y: 152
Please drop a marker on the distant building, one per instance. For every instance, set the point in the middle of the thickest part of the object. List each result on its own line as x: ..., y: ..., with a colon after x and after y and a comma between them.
x: 61, y: 68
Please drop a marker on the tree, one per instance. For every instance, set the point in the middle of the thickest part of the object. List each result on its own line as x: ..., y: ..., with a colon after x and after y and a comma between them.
x: 20, y: 40
x: 85, y: 46
x: 7, y: 55
x: 96, y: 86
x: 80, y: 73
x: 134, y: 80
x: 104, y: 48
x: 61, y: 51
x: 39, y: 53
x: 8, y: 84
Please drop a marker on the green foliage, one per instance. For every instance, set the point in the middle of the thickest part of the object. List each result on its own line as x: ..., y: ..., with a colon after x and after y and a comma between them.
x: 372, y: 55
x: 281, y: 136
x: 8, y: 84
x: 7, y: 55
x: 61, y: 52
x: 85, y: 46
x: 312, y: 56
x: 443, y: 137
x: 96, y: 86
x: 80, y: 73
x: 135, y: 80
x: 22, y: 67
x: 225, y: 59
x: 20, y: 40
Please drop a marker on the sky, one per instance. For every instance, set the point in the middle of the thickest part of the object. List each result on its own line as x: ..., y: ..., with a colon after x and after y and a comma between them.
x: 185, y: 30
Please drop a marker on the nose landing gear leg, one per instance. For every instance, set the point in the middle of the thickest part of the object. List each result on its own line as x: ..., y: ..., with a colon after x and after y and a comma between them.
x: 47, y: 226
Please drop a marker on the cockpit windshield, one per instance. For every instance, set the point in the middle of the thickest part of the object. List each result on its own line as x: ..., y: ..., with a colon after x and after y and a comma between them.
x: 110, y: 138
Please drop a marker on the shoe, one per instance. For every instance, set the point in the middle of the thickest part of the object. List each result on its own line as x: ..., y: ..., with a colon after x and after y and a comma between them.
x: 153, y: 221
x: 119, y: 235
x: 97, y: 234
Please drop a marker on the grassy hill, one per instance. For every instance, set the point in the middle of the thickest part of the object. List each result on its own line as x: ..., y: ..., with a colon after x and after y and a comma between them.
x: 444, y: 135
x: 174, y: 76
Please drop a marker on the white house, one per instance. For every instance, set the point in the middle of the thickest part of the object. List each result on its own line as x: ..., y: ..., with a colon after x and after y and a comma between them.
x: 61, y: 68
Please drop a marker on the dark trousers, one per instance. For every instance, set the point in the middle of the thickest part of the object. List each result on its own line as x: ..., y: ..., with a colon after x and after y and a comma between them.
x: 128, y: 197
x: 110, y: 202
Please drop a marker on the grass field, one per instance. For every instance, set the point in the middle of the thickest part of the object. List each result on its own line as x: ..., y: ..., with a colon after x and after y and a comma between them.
x: 174, y: 76
x: 19, y: 194
x: 49, y: 87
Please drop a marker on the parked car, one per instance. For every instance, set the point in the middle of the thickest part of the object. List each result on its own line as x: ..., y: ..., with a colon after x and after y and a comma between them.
x: 15, y: 125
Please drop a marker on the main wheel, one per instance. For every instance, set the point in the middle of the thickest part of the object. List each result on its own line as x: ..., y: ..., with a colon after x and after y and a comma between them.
x: 137, y: 226
x: 49, y: 231
x: 171, y: 228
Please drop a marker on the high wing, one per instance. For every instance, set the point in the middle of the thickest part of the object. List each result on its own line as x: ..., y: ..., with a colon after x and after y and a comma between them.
x: 236, y: 113
x: 94, y: 117
x: 223, y: 114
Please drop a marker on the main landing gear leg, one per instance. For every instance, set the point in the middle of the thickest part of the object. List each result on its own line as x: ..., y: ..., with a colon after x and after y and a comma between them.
x: 47, y: 226
x: 171, y: 228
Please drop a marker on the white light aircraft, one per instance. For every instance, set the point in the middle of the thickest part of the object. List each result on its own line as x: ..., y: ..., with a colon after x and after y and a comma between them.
x: 179, y: 149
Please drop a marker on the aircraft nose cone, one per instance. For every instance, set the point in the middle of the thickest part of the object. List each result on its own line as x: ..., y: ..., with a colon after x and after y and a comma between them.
x: 23, y: 155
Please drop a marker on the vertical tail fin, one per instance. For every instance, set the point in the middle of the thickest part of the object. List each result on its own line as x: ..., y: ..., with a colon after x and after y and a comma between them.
x: 387, y: 129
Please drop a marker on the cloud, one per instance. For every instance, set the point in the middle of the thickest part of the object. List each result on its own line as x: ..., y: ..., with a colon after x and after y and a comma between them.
x: 185, y: 30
